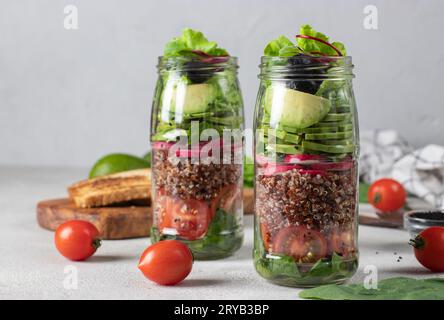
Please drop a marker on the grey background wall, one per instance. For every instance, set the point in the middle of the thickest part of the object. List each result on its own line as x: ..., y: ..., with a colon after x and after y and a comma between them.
x: 69, y: 96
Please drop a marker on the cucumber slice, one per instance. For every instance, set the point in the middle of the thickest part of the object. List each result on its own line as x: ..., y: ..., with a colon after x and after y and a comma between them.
x: 346, y: 127
x: 228, y: 121
x: 324, y: 124
x: 329, y: 136
x: 195, y: 115
x: 274, y: 132
x: 310, y: 130
x: 343, y: 142
x: 337, y: 117
x: 341, y: 109
x: 293, y: 138
x: 327, y: 148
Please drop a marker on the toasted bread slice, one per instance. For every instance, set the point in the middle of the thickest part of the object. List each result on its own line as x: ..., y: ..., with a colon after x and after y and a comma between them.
x: 110, y: 189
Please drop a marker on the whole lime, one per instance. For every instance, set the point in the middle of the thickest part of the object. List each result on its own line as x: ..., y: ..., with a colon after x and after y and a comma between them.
x: 117, y: 162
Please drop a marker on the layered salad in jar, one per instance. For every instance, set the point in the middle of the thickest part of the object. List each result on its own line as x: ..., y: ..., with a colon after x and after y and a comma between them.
x: 196, y: 158
x: 306, y: 163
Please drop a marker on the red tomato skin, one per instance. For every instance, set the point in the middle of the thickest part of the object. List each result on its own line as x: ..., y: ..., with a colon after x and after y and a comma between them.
x: 77, y: 240
x: 387, y: 195
x: 431, y: 252
x: 166, y: 262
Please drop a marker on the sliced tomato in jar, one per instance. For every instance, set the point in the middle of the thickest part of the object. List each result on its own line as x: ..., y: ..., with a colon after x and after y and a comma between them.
x: 343, y: 242
x: 303, y: 244
x: 227, y: 199
x: 265, y: 235
x: 163, y: 207
x: 190, y: 218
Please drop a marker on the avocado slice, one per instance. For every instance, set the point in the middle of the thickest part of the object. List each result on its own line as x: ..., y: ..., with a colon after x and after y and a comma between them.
x: 293, y: 108
x: 191, y: 99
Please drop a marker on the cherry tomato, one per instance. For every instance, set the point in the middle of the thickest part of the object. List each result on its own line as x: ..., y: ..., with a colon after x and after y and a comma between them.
x: 343, y: 242
x: 190, y: 218
x: 429, y: 248
x: 387, y: 195
x: 226, y: 199
x: 77, y: 240
x: 303, y: 244
x: 167, y: 262
x: 266, y: 237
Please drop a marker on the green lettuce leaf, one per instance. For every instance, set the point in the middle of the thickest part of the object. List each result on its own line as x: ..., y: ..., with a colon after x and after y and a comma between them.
x: 192, y: 40
x: 274, y: 47
x: 398, y: 288
x: 309, y: 45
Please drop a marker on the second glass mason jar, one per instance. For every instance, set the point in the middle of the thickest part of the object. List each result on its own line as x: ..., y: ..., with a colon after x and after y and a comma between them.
x: 196, y: 164
x: 306, y: 171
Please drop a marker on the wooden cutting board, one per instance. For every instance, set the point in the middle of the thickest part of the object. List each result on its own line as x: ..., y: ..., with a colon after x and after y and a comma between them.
x: 112, y: 222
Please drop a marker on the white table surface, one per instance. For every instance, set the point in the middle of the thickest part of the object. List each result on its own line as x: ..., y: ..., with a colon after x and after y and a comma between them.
x: 31, y: 268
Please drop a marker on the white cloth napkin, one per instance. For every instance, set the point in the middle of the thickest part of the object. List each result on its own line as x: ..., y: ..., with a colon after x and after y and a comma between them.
x: 385, y: 153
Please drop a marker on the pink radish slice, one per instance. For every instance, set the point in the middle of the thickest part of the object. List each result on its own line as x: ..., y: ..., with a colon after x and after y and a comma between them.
x: 188, y: 153
x: 261, y: 160
x: 321, y: 41
x: 303, y: 158
x: 344, y: 165
x: 273, y: 169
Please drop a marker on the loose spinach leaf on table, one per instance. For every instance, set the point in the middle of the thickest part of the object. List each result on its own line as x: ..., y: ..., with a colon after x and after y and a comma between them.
x: 398, y: 288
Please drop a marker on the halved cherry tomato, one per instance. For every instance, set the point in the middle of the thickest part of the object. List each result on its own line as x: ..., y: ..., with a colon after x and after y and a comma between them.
x: 190, y: 218
x: 226, y: 199
x: 387, y: 195
x: 166, y: 262
x: 77, y: 240
x: 343, y: 242
x: 303, y: 244
x: 266, y: 237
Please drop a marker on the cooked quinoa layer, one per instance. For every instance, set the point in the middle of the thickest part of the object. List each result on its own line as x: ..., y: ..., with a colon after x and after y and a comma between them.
x: 193, y: 181
x: 322, y: 202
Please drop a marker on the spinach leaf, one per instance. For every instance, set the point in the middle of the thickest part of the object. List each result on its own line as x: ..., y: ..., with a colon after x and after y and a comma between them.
x: 398, y: 288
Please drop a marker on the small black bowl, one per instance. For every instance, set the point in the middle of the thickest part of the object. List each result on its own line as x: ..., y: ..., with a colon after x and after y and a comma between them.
x: 418, y: 220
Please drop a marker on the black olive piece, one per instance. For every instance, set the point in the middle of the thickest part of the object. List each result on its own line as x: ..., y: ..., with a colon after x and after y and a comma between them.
x: 307, y: 86
x: 195, y: 73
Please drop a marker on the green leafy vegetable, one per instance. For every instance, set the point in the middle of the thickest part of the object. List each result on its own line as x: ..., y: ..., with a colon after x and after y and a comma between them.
x: 363, y: 191
x: 310, y: 45
x: 275, y: 46
x: 192, y: 40
x: 283, y: 47
x: 248, y: 172
x: 219, y: 239
x: 398, y: 288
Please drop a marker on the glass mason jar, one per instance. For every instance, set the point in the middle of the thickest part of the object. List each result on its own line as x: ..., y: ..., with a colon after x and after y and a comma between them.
x: 197, y: 151
x: 306, y: 171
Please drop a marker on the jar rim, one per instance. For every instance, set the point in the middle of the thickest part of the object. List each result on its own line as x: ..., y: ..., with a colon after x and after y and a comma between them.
x: 317, y: 68
x: 210, y: 60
